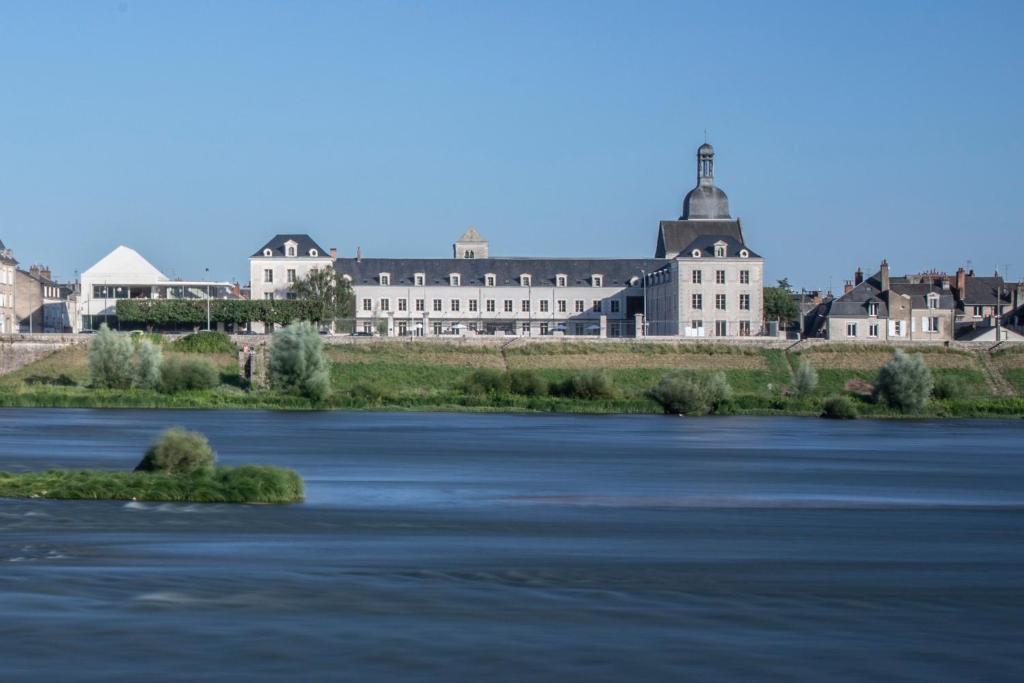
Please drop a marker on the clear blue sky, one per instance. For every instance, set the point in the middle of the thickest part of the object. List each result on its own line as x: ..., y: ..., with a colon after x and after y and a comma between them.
x: 193, y: 131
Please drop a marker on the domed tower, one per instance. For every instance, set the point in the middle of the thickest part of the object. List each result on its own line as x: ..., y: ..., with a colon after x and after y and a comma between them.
x: 705, y: 201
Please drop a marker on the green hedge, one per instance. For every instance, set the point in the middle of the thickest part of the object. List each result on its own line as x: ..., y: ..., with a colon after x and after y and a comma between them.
x: 231, y: 311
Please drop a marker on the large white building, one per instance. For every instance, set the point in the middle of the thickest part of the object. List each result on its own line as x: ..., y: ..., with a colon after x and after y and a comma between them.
x: 125, y: 274
x: 703, y: 281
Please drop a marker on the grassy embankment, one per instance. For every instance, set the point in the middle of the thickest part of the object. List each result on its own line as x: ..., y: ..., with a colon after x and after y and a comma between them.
x: 432, y: 376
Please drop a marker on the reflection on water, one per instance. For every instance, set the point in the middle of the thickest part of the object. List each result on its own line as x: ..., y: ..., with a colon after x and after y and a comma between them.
x: 489, y: 547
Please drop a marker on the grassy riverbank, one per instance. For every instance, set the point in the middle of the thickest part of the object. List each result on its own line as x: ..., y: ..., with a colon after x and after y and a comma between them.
x: 433, y: 376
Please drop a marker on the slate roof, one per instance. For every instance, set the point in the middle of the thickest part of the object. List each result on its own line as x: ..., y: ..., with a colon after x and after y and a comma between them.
x: 855, y: 303
x: 981, y: 291
x: 705, y: 201
x: 675, y: 236
x: 706, y: 245
x: 6, y: 256
x: 616, y: 272
x: 276, y: 245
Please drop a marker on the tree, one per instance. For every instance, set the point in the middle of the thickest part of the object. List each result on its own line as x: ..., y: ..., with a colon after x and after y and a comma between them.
x: 297, y: 362
x: 805, y: 379
x: 332, y: 292
x: 110, y: 360
x: 779, y: 304
x: 905, y: 382
x: 147, y: 367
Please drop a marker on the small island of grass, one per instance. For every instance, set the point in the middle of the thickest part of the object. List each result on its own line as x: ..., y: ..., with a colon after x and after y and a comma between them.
x: 179, y: 467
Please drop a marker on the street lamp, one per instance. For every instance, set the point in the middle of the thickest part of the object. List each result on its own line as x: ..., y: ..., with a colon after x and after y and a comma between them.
x: 207, y: 299
x: 643, y: 274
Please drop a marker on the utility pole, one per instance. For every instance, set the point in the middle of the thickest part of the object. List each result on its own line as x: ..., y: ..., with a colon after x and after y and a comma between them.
x: 643, y: 274
x: 207, y: 299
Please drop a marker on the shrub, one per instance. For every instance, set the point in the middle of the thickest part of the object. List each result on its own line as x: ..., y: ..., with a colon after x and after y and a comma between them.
x: 110, y: 360
x: 905, y: 382
x: 205, y: 342
x: 527, y: 383
x: 183, y: 374
x: 297, y: 362
x: 692, y: 394
x: 147, y: 365
x: 260, y: 483
x: 839, y: 408
x: 179, y: 451
x: 485, y: 381
x: 949, y: 386
x: 138, y: 336
x: 367, y: 393
x: 805, y: 379
x: 587, y: 385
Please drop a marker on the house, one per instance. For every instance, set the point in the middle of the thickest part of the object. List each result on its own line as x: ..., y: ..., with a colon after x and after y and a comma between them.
x: 987, y: 307
x: 8, y: 267
x: 44, y: 305
x: 884, y: 308
x: 125, y: 274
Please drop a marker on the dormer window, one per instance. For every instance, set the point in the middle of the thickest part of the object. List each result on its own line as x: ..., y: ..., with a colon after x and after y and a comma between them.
x: 695, y: 253
x: 267, y: 252
x: 744, y: 253
x: 720, y: 249
x: 291, y: 248
x: 873, y: 308
x: 384, y: 279
x: 490, y: 279
x: 597, y: 280
x: 933, y: 301
x: 561, y: 280
x: 419, y: 278
x: 469, y: 253
x: 455, y: 279
x: 525, y: 280
x: 314, y: 253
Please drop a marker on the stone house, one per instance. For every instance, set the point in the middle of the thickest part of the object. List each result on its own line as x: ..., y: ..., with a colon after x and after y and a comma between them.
x: 44, y: 305
x: 8, y: 267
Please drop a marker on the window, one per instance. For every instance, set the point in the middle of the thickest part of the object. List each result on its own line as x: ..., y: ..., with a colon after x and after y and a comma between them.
x: 385, y: 303
x: 291, y: 251
x: 721, y: 328
x: 403, y: 304
x: 931, y: 324
x: 579, y: 305
x: 469, y: 253
x: 597, y: 280
x: 437, y: 305
x: 291, y: 275
x: 314, y: 253
x: 291, y: 296
x: 597, y: 305
x: 525, y: 305
x: 419, y: 279
x: 368, y: 328
x: 615, y: 305
x: 543, y: 328
x: 269, y: 296
x: 524, y: 280
x: 420, y: 304
x: 524, y: 328
x: 508, y: 305
x: 744, y: 253
x: 697, y: 301
x: 454, y: 280
x: 873, y: 330
x: 897, y: 328
x: 696, y: 324
x: 873, y: 309
x: 933, y: 301
x: 744, y: 328
x: 744, y: 277
x: 560, y: 281
x: 851, y: 329
x: 544, y: 306
x: 473, y: 305
x: 403, y: 328
x: 489, y: 305
x: 578, y: 327
x: 744, y: 302
x: 489, y: 280
x: 267, y: 252
x: 720, y: 302
x: 268, y: 275
x: 719, y: 277
x: 695, y: 253
x: 437, y: 328
x: 562, y: 306
x: 720, y: 250
x: 697, y: 276
x: 979, y: 311
x: 455, y: 305
x: 384, y: 279
x: 367, y: 304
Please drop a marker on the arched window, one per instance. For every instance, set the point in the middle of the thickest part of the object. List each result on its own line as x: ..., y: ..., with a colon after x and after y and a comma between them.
x: 469, y: 254
x: 291, y: 251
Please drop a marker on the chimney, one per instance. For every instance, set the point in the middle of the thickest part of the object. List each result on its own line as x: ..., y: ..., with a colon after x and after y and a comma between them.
x: 46, y: 272
x: 858, y: 277
x: 961, y: 281
x: 33, y: 270
x: 334, y: 252
x: 847, y: 287
x: 884, y: 275
x: 359, y: 254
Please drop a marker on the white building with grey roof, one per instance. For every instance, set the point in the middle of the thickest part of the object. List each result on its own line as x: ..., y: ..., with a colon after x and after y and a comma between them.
x: 474, y: 292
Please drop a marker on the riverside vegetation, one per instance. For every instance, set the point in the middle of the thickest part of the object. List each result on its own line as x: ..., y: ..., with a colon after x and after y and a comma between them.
x: 179, y: 467
x: 201, y: 371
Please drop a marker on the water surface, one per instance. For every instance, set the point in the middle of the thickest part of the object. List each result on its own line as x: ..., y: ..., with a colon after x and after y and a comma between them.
x: 519, y: 547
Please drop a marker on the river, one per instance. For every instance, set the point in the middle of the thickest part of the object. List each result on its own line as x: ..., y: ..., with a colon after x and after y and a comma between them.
x: 526, y: 548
